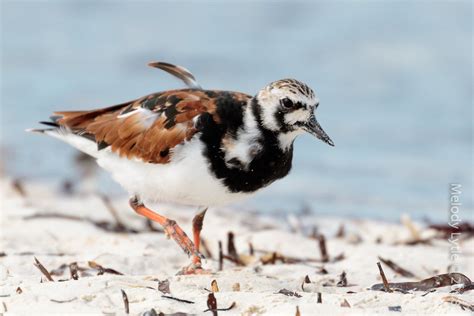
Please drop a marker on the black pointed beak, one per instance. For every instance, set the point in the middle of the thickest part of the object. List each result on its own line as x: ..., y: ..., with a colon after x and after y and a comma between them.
x: 313, y: 127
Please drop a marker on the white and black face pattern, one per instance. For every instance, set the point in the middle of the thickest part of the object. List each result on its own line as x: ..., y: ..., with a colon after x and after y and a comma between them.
x: 286, y: 104
x: 287, y: 107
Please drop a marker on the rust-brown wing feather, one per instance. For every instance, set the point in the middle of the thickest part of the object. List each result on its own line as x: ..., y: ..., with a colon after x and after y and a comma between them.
x: 147, y: 128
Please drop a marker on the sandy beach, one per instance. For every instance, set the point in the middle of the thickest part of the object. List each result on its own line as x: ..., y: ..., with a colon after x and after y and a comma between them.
x: 277, y: 268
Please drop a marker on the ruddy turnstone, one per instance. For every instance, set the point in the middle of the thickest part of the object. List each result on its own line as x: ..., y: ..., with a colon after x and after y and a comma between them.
x: 194, y: 146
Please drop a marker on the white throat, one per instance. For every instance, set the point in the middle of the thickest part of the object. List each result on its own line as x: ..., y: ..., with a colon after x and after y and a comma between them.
x: 287, y: 139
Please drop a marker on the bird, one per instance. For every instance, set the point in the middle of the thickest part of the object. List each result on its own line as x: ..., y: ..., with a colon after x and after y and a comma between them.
x: 193, y: 146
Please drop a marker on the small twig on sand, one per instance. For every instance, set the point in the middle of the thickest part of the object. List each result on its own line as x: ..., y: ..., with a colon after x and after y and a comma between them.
x: 221, y: 257
x: 149, y: 225
x: 222, y: 309
x: 102, y: 270
x: 108, y: 204
x: 231, y: 251
x: 462, y: 303
x: 395, y: 267
x: 177, y: 299
x: 65, y: 301
x: 342, y: 280
x: 322, y: 248
x: 306, y: 280
x: 205, y: 247
x: 345, y: 303
x: 164, y: 286
x: 288, y: 293
x: 341, y: 232
x: 320, y: 298
x: 73, y: 268
x: 251, y: 251
x: 214, y: 286
x: 384, y: 279
x: 17, y: 185
x: 104, y: 225
x: 43, y: 270
x: 125, y: 302
x: 212, y: 304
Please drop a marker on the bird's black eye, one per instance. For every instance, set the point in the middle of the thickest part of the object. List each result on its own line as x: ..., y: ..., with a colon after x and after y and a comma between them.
x: 286, y: 103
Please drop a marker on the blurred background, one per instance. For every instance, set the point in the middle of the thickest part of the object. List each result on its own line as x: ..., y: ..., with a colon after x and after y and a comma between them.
x: 394, y: 80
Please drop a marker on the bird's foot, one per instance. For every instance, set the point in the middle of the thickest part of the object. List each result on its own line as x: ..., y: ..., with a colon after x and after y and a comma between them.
x: 175, y: 232
x: 193, y: 268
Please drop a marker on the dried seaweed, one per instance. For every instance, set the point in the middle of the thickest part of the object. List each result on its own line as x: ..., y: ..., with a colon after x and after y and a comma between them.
x: 177, y: 299
x: 342, y: 280
x: 465, y: 288
x: 306, y: 280
x: 108, y: 205
x: 395, y: 267
x: 339, y: 257
x: 102, y: 270
x: 322, y: 270
x: 207, y: 250
x: 231, y: 250
x: 428, y: 284
x: 251, y: 250
x: 151, y: 312
x: 322, y: 248
x: 341, y: 232
x: 232, y: 254
x: 221, y: 257
x: 64, y: 301
x: 462, y: 303
x: 288, y: 293
x: 386, y: 286
x: 273, y: 257
x: 43, y: 270
x: 345, y: 303
x: 151, y: 228
x: 212, y: 304
x: 103, y: 225
x: 126, y: 304
x: 397, y: 308
x: 18, y: 187
x: 234, y: 260
x: 446, y: 230
x: 214, y: 286
x: 428, y: 292
x: 59, y: 270
x: 73, y: 268
x: 164, y: 286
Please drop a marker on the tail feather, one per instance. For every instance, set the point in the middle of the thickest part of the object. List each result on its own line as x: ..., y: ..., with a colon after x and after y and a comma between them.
x: 48, y: 123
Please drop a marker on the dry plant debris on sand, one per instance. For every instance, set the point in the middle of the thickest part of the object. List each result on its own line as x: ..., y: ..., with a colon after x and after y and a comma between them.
x: 86, y: 253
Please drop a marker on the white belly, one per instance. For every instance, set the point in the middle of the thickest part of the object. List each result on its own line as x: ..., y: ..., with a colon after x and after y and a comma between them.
x: 185, y: 180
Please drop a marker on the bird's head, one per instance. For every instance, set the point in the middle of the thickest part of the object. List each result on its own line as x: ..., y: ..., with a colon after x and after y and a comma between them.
x: 288, y: 107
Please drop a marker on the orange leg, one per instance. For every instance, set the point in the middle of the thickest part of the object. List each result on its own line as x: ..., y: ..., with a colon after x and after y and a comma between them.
x: 197, y: 227
x: 171, y: 228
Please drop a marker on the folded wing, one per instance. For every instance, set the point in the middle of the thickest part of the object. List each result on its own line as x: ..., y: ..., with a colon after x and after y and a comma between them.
x: 147, y: 129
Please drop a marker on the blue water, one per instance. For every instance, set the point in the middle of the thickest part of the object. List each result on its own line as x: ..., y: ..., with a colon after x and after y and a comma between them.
x: 394, y: 80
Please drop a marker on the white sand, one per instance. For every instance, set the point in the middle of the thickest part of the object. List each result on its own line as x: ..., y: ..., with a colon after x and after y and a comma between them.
x: 147, y: 256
